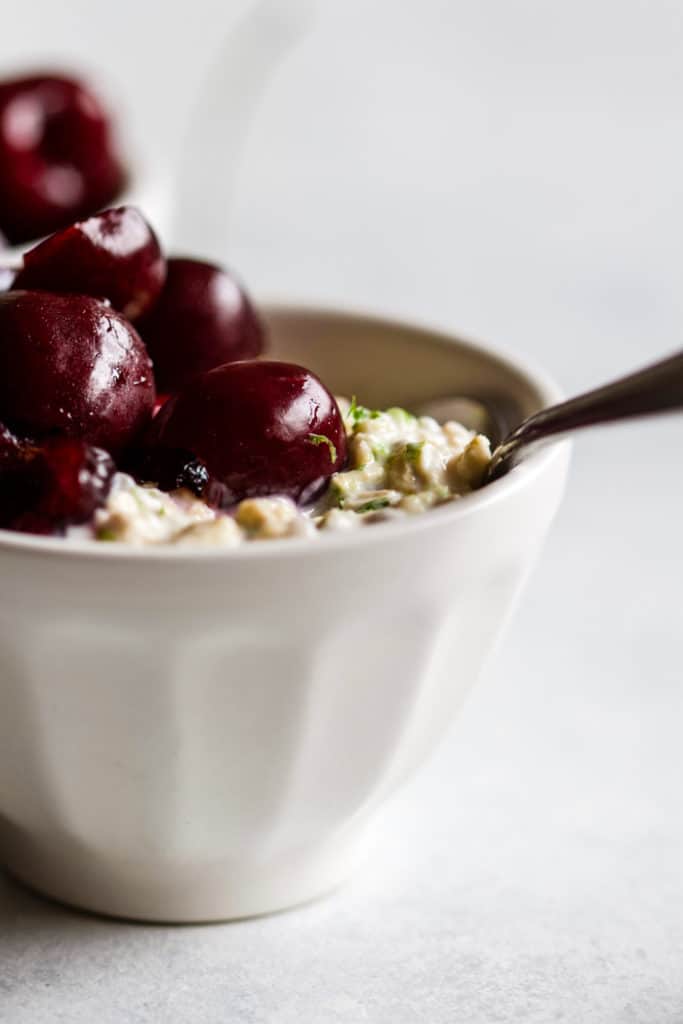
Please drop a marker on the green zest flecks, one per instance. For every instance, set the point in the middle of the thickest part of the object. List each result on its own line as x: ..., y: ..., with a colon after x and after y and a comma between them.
x: 374, y: 505
x: 106, y: 534
x: 322, y: 439
x: 398, y: 465
x: 358, y: 414
x: 400, y: 416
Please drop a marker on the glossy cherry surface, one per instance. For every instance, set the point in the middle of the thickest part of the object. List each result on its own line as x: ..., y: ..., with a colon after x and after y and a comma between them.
x: 162, y: 398
x: 257, y: 427
x: 45, y: 489
x: 10, y: 447
x: 58, y: 156
x: 7, y: 271
x: 113, y: 255
x: 202, y: 319
x: 71, y: 365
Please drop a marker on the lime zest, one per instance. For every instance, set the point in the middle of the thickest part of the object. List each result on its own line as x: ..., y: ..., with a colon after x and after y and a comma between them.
x: 359, y: 413
x: 105, y: 533
x: 412, y: 451
x: 401, y: 416
x: 374, y: 505
x: 323, y: 439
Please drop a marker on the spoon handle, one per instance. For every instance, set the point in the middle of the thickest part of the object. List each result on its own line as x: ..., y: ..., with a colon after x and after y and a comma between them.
x: 654, y: 389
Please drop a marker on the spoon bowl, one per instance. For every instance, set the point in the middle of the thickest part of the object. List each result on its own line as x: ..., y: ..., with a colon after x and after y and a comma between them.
x: 655, y: 389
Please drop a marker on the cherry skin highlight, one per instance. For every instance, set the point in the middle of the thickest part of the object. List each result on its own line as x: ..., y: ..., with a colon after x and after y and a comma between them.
x: 113, y: 255
x: 72, y: 366
x: 257, y: 427
x: 10, y: 448
x: 160, y: 402
x: 59, y: 160
x: 6, y: 278
x: 202, y: 319
x: 7, y: 269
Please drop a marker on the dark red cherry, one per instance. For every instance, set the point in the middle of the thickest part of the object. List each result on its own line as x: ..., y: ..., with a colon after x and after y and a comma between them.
x: 70, y: 365
x: 59, y: 484
x: 203, y: 319
x: 58, y: 158
x: 257, y: 427
x: 114, y: 255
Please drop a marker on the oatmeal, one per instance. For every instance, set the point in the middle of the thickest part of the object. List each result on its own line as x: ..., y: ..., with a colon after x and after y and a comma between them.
x: 398, y: 465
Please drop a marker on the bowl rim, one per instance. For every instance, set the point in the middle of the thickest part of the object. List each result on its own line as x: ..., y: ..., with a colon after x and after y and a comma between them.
x: 520, y: 477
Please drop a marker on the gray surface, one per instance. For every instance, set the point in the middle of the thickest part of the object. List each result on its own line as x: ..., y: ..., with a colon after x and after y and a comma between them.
x: 534, y: 870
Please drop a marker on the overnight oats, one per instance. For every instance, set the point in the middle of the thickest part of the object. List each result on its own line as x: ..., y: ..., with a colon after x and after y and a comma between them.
x: 397, y: 465
x: 137, y: 408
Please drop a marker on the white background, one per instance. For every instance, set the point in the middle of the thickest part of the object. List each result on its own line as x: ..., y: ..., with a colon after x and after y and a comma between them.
x: 513, y: 170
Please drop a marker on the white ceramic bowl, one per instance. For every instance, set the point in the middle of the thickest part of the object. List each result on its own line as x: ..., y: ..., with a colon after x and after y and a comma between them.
x: 196, y: 736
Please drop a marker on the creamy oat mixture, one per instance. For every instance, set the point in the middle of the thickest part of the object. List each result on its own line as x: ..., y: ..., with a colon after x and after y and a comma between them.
x: 398, y: 465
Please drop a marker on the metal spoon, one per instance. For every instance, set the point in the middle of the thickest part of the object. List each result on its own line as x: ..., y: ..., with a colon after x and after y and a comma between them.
x: 654, y: 389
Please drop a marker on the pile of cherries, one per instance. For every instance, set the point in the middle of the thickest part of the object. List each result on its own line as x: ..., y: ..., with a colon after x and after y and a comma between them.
x: 98, y: 329
x: 98, y: 332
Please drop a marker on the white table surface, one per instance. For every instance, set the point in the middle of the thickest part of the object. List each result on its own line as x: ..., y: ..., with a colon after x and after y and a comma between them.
x: 513, y: 170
